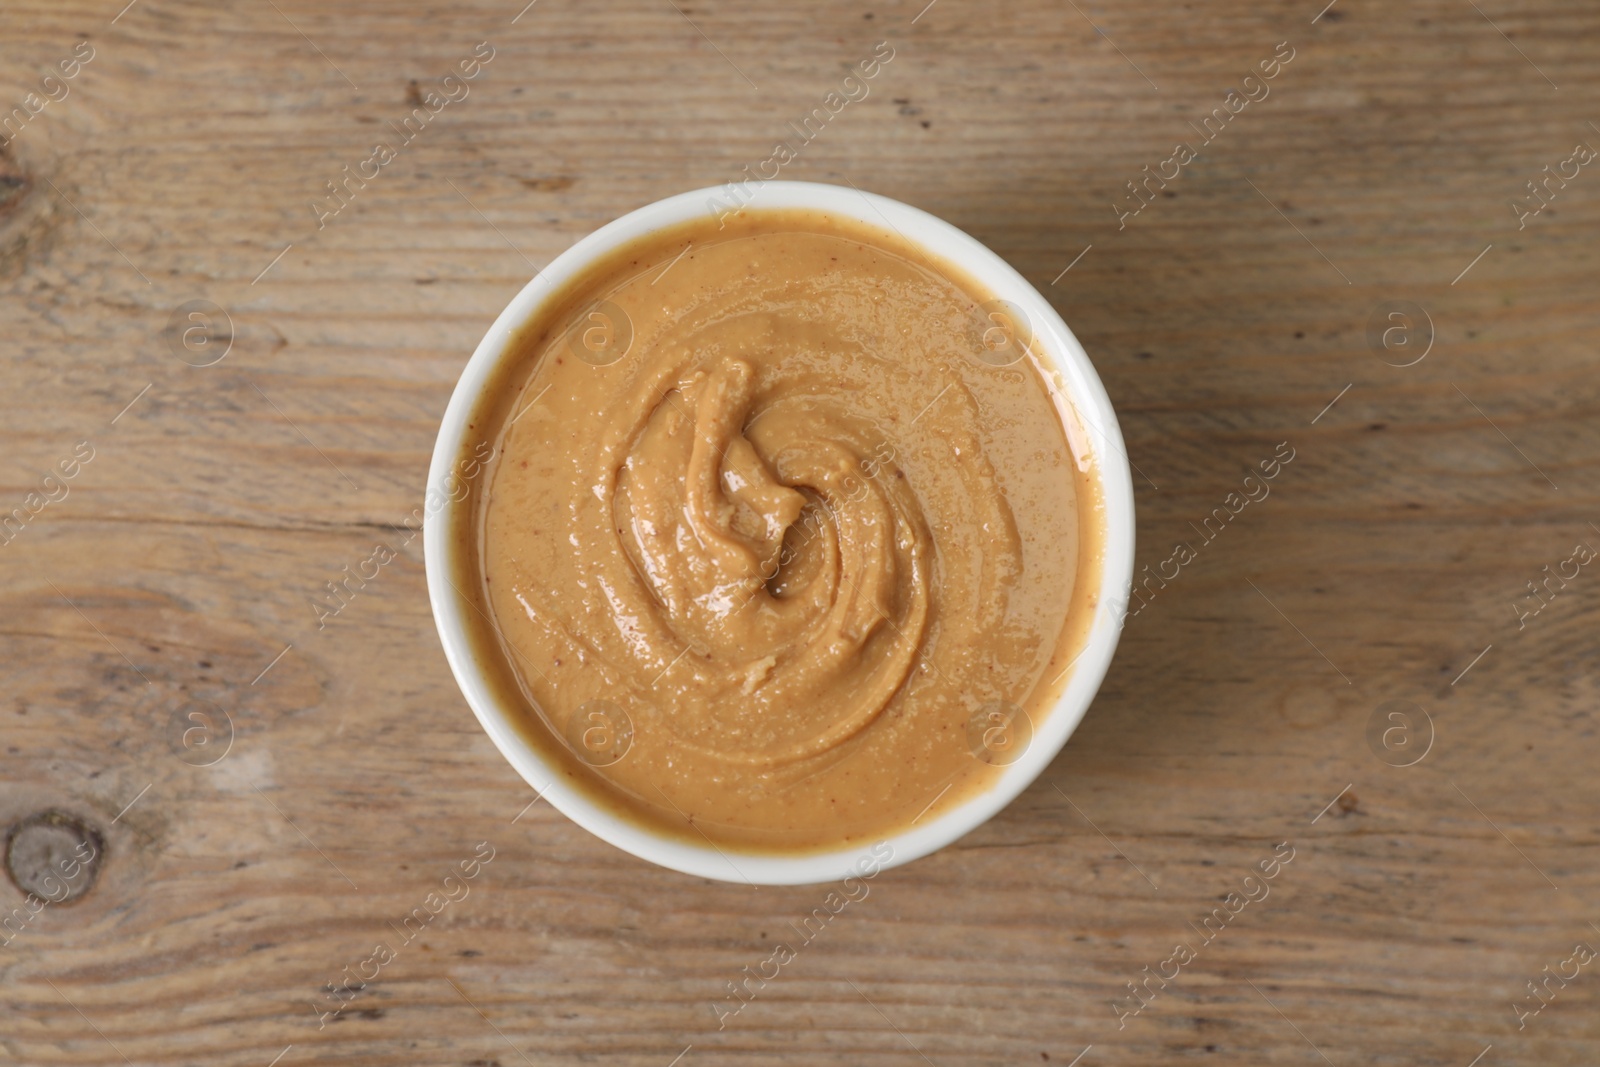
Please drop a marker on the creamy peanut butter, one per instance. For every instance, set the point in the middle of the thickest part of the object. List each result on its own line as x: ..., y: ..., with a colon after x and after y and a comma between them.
x: 784, y: 544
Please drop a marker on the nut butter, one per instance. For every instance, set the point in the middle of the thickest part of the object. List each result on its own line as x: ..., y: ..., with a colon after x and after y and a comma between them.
x: 785, y: 544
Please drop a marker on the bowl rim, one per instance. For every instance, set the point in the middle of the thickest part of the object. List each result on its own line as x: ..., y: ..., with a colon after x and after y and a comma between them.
x: 1085, y: 394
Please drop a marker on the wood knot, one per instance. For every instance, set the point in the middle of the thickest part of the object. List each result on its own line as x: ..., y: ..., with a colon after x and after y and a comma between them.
x: 14, y: 184
x: 54, y: 856
x: 27, y: 217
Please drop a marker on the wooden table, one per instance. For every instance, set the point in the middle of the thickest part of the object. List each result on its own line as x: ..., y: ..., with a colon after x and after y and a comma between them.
x: 171, y: 588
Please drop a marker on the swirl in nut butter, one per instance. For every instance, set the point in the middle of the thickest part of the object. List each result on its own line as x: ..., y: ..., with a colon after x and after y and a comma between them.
x: 785, y: 538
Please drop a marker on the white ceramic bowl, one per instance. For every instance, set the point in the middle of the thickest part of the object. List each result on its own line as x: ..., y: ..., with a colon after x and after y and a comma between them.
x: 1098, y: 430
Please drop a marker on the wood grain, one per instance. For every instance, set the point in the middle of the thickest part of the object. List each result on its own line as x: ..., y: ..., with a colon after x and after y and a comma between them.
x: 1223, y: 318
